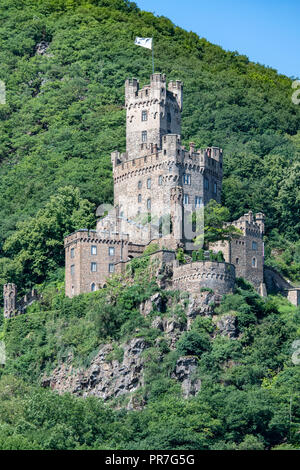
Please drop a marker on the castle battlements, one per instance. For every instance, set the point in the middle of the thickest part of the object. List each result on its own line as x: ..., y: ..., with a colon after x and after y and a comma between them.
x: 251, y: 225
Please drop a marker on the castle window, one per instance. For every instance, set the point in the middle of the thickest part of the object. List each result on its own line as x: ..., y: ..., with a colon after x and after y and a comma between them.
x: 111, y: 268
x: 144, y: 116
x: 72, y: 269
x: 198, y: 201
x: 254, y: 245
x: 215, y: 188
x: 93, y: 287
x: 254, y: 264
x: 206, y: 183
x: 139, y: 198
x: 144, y: 136
x: 186, y: 179
x: 237, y: 261
x: 160, y: 180
x: 149, y: 183
x: 72, y: 253
x: 72, y: 290
x: 186, y: 199
x: 111, y: 251
x: 149, y: 204
x: 139, y: 185
x: 93, y: 250
x: 94, y: 267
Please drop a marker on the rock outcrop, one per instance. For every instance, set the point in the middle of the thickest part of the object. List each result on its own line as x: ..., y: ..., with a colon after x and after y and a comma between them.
x: 185, y: 372
x: 104, y: 378
x: 200, y: 304
x: 155, y: 302
x: 227, y: 325
x: 109, y: 378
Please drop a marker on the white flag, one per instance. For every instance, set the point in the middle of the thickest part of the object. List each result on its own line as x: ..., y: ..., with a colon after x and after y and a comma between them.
x: 144, y: 42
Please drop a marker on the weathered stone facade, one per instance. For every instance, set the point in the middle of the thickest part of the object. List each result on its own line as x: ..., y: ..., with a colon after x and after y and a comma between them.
x: 90, y: 258
x: 191, y: 277
x: 14, y: 307
x: 247, y: 252
x: 157, y: 186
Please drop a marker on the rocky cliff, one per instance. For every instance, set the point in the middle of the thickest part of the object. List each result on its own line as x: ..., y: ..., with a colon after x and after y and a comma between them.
x: 109, y: 377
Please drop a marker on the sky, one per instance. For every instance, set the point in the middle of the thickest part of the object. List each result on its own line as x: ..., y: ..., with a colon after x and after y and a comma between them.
x: 266, y: 31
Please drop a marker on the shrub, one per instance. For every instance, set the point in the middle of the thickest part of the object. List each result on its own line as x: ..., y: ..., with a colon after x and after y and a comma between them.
x: 193, y: 343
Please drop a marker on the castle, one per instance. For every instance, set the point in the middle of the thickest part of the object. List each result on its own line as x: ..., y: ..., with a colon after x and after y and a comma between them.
x: 158, y: 186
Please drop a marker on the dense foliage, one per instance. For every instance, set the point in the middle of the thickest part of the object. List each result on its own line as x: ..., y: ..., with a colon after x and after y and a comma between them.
x: 64, y: 63
x: 249, y: 397
x: 65, y: 114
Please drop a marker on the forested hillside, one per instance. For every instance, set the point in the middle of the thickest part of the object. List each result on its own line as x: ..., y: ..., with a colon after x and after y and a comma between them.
x: 64, y: 63
x: 249, y: 384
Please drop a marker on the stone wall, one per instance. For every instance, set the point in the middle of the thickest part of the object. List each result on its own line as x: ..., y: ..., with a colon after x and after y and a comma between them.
x: 13, y: 306
x: 85, y: 247
x: 247, y: 252
x: 154, y: 109
x: 191, y: 277
x: 293, y: 296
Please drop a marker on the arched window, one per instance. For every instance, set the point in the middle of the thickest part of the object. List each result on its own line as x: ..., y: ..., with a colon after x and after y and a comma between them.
x: 149, y: 204
x: 140, y: 184
x: 93, y: 287
x: 254, y: 263
x: 139, y: 198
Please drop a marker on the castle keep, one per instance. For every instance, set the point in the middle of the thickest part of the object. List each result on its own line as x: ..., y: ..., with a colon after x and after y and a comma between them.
x: 158, y: 186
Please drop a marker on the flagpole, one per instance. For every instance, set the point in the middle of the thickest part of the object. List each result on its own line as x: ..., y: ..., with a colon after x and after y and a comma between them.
x: 153, y: 55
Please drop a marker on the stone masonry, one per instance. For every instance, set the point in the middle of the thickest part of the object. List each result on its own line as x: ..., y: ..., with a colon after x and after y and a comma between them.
x: 247, y: 252
x: 157, y: 185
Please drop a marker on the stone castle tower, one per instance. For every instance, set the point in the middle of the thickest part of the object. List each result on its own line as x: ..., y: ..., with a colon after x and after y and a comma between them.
x: 158, y: 185
x: 156, y: 167
x: 152, y: 112
x: 10, y: 300
x: 156, y: 181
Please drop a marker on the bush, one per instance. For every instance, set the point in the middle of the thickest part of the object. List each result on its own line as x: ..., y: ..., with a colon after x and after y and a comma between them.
x: 193, y: 343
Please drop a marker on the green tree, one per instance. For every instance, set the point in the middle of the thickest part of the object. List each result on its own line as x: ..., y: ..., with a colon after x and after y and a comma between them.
x: 216, y: 225
x: 36, y: 246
